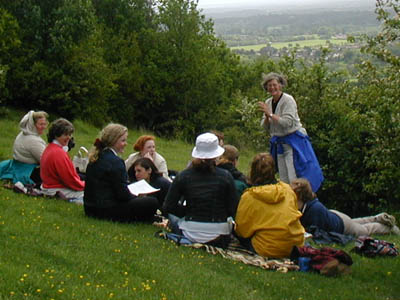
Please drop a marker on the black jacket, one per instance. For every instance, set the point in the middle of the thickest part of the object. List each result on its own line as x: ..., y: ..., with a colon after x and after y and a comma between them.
x: 210, y: 196
x: 106, y: 181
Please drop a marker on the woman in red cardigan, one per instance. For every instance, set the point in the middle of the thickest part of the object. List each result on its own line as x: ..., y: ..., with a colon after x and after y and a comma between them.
x: 56, y: 169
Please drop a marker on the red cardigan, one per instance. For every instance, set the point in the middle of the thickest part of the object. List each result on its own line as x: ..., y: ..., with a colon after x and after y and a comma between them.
x: 57, y: 170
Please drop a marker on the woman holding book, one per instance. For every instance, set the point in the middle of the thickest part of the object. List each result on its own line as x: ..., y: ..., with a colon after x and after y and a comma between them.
x: 144, y: 168
x: 106, y: 192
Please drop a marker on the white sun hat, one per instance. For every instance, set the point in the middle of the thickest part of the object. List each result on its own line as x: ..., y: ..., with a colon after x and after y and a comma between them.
x: 207, y: 147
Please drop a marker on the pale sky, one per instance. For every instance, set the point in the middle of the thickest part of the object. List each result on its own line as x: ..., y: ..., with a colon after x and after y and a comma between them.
x: 255, y: 3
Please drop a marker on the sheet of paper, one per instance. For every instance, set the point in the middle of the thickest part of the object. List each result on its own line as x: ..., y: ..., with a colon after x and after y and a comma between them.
x: 141, y: 187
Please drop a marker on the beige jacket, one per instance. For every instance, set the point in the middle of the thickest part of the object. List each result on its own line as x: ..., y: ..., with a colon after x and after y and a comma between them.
x: 28, y: 145
x: 289, y: 120
x: 158, y: 161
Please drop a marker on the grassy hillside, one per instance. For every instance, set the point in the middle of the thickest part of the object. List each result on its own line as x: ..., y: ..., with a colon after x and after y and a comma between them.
x: 50, y: 250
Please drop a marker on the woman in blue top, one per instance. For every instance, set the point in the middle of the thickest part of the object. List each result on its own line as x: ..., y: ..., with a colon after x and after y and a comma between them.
x: 315, y: 213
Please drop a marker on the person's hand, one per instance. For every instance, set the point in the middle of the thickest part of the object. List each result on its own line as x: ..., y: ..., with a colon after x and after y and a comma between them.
x: 148, y: 155
x: 264, y: 108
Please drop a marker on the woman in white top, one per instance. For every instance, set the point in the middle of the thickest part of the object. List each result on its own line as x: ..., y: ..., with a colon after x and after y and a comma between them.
x: 27, y: 150
x: 146, y: 147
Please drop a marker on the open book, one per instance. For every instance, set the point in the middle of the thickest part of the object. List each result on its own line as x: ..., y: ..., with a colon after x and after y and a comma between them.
x: 141, y: 187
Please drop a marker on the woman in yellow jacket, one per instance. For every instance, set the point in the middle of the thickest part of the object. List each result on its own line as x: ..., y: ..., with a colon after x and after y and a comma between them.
x: 268, y: 219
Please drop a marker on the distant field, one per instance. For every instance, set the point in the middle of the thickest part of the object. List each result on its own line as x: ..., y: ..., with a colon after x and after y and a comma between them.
x: 309, y: 43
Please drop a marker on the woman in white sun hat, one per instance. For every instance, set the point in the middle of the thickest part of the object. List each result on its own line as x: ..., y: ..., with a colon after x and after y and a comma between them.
x: 209, y: 194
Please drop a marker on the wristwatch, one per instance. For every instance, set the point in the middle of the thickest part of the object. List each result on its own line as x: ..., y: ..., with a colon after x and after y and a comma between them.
x: 270, y: 115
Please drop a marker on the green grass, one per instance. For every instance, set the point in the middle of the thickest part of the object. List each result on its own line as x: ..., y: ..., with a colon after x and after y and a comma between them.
x: 50, y: 250
x: 280, y: 45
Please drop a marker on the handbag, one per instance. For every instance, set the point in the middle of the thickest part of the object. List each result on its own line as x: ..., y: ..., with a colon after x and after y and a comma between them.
x: 81, y: 160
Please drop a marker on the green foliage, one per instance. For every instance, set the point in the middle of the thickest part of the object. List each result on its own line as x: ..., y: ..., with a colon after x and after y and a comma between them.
x: 353, y: 123
x: 10, y: 41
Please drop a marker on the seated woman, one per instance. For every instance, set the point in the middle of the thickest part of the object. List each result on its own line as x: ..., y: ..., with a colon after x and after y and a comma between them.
x: 106, y: 192
x: 210, y: 196
x: 267, y: 219
x: 228, y: 161
x: 315, y: 213
x: 56, y: 168
x: 144, y: 168
x: 27, y: 150
x: 146, y: 146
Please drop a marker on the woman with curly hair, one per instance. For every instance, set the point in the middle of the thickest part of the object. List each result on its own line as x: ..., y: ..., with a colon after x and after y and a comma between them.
x: 56, y: 168
x: 289, y: 144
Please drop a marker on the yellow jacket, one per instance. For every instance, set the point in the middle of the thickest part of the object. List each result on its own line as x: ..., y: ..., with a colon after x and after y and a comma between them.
x: 269, y: 215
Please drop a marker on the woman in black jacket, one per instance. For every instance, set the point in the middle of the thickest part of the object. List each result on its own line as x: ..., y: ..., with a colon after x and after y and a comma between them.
x: 106, y: 191
x: 209, y: 194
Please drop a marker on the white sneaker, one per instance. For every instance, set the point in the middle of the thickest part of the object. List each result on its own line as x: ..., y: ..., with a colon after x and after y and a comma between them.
x: 395, y: 230
x: 20, y: 188
x: 386, y: 219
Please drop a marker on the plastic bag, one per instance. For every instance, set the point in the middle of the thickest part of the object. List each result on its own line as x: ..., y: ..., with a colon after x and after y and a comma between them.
x: 81, y: 160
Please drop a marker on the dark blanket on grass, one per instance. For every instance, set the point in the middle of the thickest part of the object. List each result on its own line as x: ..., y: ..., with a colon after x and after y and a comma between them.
x: 235, y: 252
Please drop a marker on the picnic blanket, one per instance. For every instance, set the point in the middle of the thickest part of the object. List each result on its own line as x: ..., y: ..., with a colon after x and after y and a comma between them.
x: 235, y: 252
x: 30, y: 190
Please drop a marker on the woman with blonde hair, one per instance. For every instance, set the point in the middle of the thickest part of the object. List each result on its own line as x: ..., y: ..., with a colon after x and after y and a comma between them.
x: 267, y: 219
x: 289, y: 144
x: 106, y: 192
x: 27, y: 150
x: 316, y: 214
x: 146, y: 147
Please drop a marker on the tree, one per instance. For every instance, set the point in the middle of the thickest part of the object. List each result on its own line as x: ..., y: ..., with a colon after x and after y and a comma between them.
x: 9, y: 31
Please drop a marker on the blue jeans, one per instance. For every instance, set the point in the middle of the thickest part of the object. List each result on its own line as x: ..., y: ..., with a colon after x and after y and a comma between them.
x: 173, y: 224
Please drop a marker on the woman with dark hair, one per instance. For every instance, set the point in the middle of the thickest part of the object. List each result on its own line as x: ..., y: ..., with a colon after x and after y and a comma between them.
x: 209, y: 193
x: 106, y: 192
x: 267, y: 219
x: 289, y: 145
x: 56, y: 169
x: 144, y: 168
x: 146, y: 147
x: 316, y: 214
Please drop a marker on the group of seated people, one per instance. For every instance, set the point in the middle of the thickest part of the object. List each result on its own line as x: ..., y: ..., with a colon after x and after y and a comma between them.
x: 208, y: 202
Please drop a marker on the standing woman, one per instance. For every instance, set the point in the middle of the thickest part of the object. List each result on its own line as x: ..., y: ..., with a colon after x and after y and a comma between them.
x: 289, y: 145
x: 106, y: 192
x: 56, y: 168
x: 146, y: 147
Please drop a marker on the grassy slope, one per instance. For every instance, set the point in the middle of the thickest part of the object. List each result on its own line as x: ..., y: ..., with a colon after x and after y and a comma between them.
x: 50, y: 250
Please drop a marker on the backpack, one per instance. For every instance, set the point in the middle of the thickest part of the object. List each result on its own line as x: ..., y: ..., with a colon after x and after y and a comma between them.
x: 372, y: 247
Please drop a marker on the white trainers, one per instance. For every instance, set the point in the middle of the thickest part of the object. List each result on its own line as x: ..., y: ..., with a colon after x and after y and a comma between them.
x: 20, y: 188
x: 386, y: 219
